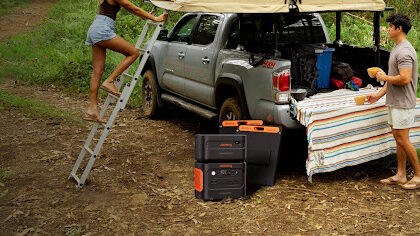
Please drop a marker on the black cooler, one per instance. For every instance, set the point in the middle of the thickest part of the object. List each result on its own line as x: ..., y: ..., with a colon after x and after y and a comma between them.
x: 262, y: 153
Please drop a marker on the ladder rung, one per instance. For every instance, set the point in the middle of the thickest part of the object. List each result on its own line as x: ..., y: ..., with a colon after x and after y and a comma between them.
x: 153, y: 23
x: 75, y: 178
x: 141, y: 49
x: 113, y: 96
x: 128, y: 75
x: 88, y: 149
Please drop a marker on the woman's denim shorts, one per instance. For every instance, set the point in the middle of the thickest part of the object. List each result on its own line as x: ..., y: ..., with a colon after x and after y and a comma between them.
x: 102, y: 28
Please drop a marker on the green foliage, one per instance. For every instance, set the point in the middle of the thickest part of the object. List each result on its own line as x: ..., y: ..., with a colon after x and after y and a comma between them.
x: 7, y: 6
x: 357, y: 28
x: 35, y: 109
x: 56, y: 54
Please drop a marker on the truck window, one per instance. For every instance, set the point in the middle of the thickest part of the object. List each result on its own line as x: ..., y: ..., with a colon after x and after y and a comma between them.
x: 261, y: 32
x: 184, y: 30
x: 206, y: 30
x: 302, y: 28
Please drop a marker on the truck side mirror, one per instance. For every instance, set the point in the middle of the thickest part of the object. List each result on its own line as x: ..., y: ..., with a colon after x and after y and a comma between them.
x: 163, y: 35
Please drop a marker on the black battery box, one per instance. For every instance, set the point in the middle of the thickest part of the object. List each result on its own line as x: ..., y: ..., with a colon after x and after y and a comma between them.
x: 230, y: 126
x: 216, y: 181
x: 262, y: 153
x: 220, y: 148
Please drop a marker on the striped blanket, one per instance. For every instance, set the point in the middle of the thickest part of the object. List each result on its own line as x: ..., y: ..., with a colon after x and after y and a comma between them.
x: 341, y: 133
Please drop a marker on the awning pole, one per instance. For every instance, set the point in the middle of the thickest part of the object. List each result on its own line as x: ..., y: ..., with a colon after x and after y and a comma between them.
x: 338, y: 27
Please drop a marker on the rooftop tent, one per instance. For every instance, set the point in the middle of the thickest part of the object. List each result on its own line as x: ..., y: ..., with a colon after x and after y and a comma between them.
x: 340, y: 5
x: 224, y: 6
x: 268, y: 6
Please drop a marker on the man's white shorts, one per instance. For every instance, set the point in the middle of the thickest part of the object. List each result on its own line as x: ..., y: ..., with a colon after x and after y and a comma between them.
x: 401, y: 118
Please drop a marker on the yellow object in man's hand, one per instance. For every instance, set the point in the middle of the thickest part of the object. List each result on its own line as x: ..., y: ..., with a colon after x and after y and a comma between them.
x: 372, y: 71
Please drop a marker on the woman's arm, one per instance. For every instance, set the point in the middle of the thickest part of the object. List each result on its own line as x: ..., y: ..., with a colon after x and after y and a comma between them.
x: 140, y: 12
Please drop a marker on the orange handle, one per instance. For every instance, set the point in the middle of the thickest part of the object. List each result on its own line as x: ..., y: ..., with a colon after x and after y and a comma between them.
x: 235, y: 123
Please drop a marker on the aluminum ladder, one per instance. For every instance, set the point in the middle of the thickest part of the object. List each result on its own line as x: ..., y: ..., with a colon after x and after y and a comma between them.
x: 120, y: 103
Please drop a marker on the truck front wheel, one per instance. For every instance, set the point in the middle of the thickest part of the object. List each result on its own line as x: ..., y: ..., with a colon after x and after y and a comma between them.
x: 149, y: 93
x: 231, y: 110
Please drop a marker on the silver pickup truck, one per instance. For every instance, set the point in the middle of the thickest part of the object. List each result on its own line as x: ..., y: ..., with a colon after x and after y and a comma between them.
x: 237, y: 66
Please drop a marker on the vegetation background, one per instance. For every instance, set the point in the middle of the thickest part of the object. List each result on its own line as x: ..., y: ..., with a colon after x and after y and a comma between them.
x: 55, y: 53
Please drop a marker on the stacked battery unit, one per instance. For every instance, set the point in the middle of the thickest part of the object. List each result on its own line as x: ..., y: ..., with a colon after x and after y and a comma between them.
x: 220, y: 168
x: 244, y: 152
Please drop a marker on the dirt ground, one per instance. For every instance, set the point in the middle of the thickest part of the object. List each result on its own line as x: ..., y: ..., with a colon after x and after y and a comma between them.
x: 143, y: 182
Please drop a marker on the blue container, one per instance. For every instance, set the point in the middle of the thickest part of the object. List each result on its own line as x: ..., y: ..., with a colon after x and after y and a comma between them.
x: 323, y: 64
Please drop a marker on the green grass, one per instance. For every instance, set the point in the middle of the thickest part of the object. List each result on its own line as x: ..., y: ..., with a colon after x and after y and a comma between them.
x: 7, y: 6
x: 35, y: 109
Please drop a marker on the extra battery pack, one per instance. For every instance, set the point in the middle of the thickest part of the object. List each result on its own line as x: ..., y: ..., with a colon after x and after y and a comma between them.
x: 231, y: 126
x: 220, y: 148
x: 262, y: 153
x: 216, y: 181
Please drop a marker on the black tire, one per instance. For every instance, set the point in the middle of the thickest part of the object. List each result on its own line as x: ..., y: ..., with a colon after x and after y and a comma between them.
x: 231, y: 110
x: 149, y: 94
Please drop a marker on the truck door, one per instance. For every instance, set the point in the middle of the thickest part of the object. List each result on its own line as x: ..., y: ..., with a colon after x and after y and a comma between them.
x: 200, y: 60
x: 174, y: 55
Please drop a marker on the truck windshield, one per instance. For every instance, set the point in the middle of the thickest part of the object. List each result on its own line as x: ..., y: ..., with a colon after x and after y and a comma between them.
x: 263, y: 33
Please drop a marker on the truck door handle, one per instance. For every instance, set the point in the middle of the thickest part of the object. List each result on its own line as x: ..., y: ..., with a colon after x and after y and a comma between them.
x: 181, y: 55
x: 205, y: 60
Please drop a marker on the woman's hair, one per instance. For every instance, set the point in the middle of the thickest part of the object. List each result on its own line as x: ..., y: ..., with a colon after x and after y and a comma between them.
x: 398, y: 20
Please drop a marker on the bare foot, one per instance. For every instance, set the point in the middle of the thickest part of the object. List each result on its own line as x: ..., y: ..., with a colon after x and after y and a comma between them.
x: 94, y: 116
x: 394, y: 180
x: 110, y: 88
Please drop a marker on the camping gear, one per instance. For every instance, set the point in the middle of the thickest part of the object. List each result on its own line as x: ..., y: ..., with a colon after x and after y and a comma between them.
x: 299, y: 94
x: 336, y: 83
x: 303, y: 69
x: 263, y: 144
x: 357, y: 81
x: 220, y: 148
x: 119, y: 102
x: 216, y: 181
x: 352, y: 86
x: 220, y: 167
x: 341, y: 71
x: 267, y: 6
x: 341, y: 134
x: 230, y: 126
x: 323, y: 65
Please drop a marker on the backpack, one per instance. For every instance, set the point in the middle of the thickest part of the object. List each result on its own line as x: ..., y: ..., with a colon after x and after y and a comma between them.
x: 341, y: 71
x: 303, y: 69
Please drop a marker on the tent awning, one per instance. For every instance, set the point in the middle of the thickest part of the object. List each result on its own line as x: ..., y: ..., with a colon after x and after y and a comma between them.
x: 340, y: 5
x: 224, y: 6
x: 268, y: 6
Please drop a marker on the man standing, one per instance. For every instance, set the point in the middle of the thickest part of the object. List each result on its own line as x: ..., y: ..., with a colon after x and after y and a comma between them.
x: 400, y: 89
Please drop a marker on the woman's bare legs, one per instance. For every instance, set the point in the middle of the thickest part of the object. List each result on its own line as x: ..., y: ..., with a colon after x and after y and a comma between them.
x: 118, y: 44
x: 98, y: 58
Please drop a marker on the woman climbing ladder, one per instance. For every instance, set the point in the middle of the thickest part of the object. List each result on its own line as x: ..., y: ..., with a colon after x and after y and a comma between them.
x: 101, y: 35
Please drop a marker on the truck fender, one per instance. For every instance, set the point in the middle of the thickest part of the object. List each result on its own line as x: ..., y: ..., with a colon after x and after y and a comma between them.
x: 234, y: 81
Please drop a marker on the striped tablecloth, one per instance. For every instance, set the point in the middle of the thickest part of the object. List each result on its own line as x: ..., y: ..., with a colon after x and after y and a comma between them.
x: 341, y: 133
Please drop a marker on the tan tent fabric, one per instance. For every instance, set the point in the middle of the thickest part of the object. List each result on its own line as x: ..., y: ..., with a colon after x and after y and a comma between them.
x: 224, y: 6
x: 267, y: 6
x: 340, y: 5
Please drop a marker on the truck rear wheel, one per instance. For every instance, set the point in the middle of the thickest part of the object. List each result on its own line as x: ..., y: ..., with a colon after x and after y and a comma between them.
x: 149, y: 93
x: 231, y: 110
